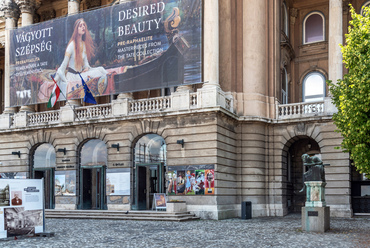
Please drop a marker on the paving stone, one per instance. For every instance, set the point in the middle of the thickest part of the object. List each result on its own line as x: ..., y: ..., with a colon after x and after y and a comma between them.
x: 257, y: 232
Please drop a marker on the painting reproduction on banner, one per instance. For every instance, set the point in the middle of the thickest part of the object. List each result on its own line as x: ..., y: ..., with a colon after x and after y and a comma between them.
x: 65, y: 183
x: 133, y: 46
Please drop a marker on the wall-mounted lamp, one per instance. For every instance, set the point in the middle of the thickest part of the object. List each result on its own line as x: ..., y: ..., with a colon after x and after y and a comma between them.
x: 116, y: 146
x: 17, y: 153
x: 181, y: 142
x: 62, y: 150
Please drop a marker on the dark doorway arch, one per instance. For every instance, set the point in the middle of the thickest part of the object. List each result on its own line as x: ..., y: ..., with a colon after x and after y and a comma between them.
x: 149, y: 170
x: 43, y: 162
x: 92, y: 175
x: 293, y: 170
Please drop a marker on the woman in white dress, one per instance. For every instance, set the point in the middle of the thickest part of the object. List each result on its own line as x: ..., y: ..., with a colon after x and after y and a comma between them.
x: 79, y: 51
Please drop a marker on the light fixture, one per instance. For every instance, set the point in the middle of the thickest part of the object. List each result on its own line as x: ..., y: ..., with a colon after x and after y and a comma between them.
x: 181, y: 142
x: 17, y: 153
x: 62, y: 150
x: 116, y: 146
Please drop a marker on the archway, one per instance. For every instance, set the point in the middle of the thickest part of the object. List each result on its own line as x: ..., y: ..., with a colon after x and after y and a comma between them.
x: 149, y: 170
x: 92, y: 174
x: 43, y: 166
x: 293, y: 170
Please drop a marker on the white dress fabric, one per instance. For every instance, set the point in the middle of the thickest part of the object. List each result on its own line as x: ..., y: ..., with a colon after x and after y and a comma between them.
x: 64, y: 77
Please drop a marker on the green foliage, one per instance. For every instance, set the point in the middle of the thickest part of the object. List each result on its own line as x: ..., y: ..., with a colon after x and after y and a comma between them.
x: 352, y: 94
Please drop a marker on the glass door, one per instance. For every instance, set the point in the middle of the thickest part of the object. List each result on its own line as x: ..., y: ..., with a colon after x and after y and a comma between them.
x: 48, y: 175
x: 92, y: 195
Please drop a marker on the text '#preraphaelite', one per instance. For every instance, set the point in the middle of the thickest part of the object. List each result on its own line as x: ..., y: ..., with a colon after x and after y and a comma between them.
x: 141, y: 11
x: 27, y: 37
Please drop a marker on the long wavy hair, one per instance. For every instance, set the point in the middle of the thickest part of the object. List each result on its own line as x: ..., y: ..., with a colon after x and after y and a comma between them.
x: 89, y: 44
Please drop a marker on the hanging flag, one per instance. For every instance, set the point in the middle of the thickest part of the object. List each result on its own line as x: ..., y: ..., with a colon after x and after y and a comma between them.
x: 89, y: 98
x: 54, y: 95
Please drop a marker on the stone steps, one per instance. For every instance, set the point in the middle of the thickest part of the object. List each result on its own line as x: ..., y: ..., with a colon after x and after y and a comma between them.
x: 120, y: 215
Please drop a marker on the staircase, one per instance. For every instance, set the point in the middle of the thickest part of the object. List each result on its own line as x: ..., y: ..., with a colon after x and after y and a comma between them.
x: 120, y: 215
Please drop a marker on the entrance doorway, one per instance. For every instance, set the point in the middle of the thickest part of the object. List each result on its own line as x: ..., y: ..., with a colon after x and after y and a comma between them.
x: 93, y: 187
x: 149, y: 180
x: 43, y: 166
x: 48, y: 175
x: 293, y: 170
x: 92, y: 175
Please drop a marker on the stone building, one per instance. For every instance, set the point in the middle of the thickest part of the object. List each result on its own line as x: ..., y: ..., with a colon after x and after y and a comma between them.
x: 261, y: 103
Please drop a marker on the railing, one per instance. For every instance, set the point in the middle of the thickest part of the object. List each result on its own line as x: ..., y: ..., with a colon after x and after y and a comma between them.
x: 193, y: 100
x: 300, y: 109
x: 94, y: 112
x: 43, y: 117
x: 152, y: 104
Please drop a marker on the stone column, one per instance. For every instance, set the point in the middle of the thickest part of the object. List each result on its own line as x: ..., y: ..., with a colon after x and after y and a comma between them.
x: 11, y: 14
x: 335, y: 38
x: 255, y: 69
x: 211, y: 43
x: 27, y: 8
x: 73, y: 8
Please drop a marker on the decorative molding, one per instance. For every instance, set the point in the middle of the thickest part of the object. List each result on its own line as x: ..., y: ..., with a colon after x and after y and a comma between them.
x: 9, y: 9
x: 293, y: 15
x: 26, y: 6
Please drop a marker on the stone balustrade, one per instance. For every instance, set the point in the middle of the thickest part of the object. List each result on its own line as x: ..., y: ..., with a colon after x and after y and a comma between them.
x: 120, y: 108
x: 300, y: 110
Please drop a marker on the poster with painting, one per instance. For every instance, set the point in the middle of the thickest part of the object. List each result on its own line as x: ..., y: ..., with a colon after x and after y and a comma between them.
x: 190, y: 182
x: 118, y: 182
x: 199, y: 180
x: 172, y: 182
x: 210, y: 182
x: 180, y: 182
x: 65, y: 182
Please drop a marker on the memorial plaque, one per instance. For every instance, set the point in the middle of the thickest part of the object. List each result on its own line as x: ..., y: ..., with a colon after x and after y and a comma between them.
x: 313, y: 213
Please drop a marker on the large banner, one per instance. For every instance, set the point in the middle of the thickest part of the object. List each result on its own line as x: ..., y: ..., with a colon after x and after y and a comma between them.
x: 138, y: 45
x: 21, y: 207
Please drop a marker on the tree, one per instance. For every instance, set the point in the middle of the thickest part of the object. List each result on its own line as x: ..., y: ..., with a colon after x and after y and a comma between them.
x: 351, y: 95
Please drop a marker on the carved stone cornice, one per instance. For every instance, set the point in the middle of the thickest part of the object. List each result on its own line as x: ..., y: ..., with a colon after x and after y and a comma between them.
x: 9, y: 9
x: 26, y: 6
x: 92, y: 3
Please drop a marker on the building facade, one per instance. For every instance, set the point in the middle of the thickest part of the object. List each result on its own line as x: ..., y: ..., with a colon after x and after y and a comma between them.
x: 238, y: 135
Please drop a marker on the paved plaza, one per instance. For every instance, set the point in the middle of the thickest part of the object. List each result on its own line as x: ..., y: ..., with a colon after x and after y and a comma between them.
x: 256, y: 232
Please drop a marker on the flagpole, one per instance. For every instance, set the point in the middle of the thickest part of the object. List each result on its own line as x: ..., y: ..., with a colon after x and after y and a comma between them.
x: 66, y: 100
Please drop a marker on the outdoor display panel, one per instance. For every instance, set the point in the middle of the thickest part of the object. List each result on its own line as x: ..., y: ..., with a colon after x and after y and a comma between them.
x: 21, y: 207
x: 134, y: 46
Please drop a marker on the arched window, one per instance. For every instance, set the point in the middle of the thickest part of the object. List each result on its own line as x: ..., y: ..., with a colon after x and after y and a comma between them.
x: 313, y: 28
x: 314, y: 87
x: 366, y: 4
x: 150, y: 148
x: 44, y: 156
x: 284, y: 86
x: 285, y: 20
x: 94, y: 152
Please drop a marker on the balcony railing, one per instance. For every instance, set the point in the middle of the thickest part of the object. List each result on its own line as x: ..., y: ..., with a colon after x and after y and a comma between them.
x: 121, y: 108
x: 299, y: 110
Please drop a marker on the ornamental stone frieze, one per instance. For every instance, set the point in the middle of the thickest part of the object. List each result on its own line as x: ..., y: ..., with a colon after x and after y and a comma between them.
x: 26, y: 6
x: 92, y: 3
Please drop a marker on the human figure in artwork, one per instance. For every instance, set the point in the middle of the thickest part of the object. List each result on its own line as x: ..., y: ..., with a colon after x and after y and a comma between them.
x: 16, y: 201
x: 80, y: 50
x: 188, y: 183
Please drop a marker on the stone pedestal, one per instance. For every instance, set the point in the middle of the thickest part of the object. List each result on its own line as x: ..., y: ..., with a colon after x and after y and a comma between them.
x: 175, y: 207
x: 315, y: 214
x: 315, y: 219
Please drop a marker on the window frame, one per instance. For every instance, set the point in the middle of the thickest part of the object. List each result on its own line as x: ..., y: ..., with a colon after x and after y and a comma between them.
x: 323, y: 27
x: 285, y: 25
x: 365, y: 4
x: 304, y: 84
